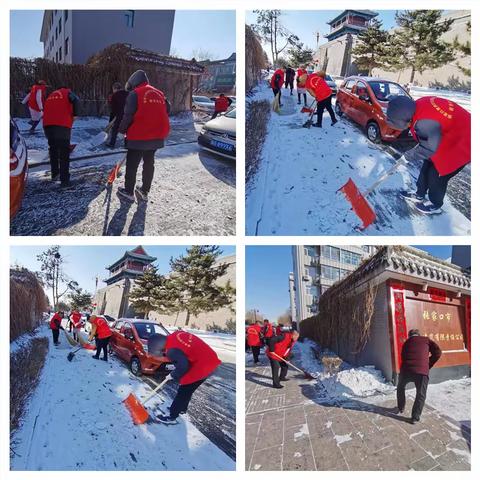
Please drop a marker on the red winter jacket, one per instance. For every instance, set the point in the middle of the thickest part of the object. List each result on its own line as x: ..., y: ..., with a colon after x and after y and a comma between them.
x: 221, y: 104
x: 254, y: 335
x: 419, y: 354
x: 454, y: 150
x: 281, y: 346
x: 201, y: 357
x: 150, y: 121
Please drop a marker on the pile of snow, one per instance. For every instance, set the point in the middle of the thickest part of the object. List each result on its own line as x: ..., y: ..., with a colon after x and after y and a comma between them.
x: 24, y: 340
x: 346, y: 384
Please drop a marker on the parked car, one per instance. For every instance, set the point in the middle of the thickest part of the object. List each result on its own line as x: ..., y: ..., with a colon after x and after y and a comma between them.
x: 331, y: 83
x: 220, y: 134
x: 203, y: 104
x: 365, y: 100
x: 18, y: 168
x: 130, y: 343
x: 338, y: 79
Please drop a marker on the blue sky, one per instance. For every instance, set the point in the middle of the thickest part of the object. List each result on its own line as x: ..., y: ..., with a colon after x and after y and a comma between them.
x: 209, y: 30
x: 266, y: 276
x: 85, y: 263
x: 305, y: 23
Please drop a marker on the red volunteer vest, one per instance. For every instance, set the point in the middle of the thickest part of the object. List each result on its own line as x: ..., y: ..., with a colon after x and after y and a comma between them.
x: 454, y: 150
x: 301, y: 77
x: 221, y: 104
x: 202, y: 359
x: 282, y: 78
x: 318, y: 87
x: 103, y: 330
x: 268, y: 330
x: 53, y: 325
x: 253, y: 336
x: 76, y: 319
x: 283, y: 348
x: 58, y: 109
x: 150, y: 121
x: 32, y: 99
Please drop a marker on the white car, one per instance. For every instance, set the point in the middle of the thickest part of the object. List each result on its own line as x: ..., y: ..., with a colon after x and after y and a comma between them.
x: 203, y: 104
x: 220, y: 135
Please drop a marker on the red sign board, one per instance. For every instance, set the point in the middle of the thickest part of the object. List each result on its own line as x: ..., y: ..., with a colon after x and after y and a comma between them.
x: 437, y: 295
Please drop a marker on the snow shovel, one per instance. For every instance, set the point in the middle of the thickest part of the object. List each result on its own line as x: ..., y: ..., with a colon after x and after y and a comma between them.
x: 309, y: 109
x: 357, y: 199
x: 70, y: 340
x: 307, y: 375
x: 102, y: 136
x: 72, y: 354
x: 309, y: 122
x: 276, y: 103
x: 136, y: 408
x: 114, y: 173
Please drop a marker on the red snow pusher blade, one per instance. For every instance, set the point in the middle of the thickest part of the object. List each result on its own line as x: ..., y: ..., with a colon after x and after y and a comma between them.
x: 306, y: 110
x: 359, y: 204
x: 114, y: 173
x: 137, y: 410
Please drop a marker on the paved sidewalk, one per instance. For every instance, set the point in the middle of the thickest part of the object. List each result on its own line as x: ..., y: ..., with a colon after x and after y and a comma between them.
x: 287, y: 430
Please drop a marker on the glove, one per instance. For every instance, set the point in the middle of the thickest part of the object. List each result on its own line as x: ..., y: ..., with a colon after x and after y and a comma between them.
x: 169, y: 377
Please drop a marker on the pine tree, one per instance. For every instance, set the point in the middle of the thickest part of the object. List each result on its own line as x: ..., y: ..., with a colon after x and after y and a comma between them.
x: 371, y: 48
x: 151, y: 291
x: 299, y: 55
x: 419, y: 40
x: 80, y: 299
x: 195, y: 278
x: 464, y: 49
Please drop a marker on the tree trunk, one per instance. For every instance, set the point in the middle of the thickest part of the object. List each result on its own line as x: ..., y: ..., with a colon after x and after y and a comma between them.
x: 412, y: 75
x: 187, y: 319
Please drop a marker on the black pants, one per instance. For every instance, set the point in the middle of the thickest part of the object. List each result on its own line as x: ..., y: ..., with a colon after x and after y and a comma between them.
x: 59, y: 150
x: 289, y: 84
x: 55, y: 333
x: 102, y: 344
x: 304, y: 98
x: 256, y: 353
x: 429, y: 181
x: 134, y: 157
x: 279, y: 91
x: 325, y: 104
x: 278, y: 367
x: 183, y: 397
x: 421, y: 384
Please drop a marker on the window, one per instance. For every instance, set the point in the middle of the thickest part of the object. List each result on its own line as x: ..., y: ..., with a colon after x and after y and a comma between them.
x: 332, y: 253
x: 330, y: 273
x: 60, y: 26
x: 310, y: 251
x: 66, y: 46
x: 350, y: 258
x: 361, y: 89
x: 129, y: 17
x: 384, y: 91
x: 65, y: 16
x: 349, y: 85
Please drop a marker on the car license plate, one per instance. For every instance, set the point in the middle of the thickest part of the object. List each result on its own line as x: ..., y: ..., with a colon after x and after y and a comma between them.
x: 222, y: 145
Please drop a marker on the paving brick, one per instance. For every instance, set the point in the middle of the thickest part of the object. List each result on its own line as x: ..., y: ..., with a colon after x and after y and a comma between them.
x: 268, y: 459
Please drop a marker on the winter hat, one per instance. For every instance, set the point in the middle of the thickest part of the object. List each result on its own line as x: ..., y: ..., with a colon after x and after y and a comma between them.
x: 414, y: 333
x: 400, y: 111
x: 136, y: 79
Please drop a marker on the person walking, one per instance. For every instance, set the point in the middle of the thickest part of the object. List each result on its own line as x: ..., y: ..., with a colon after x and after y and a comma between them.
x: 56, y: 326
x: 117, y: 106
x: 278, y: 350
x: 442, y: 130
x: 289, y: 79
x: 61, y: 107
x: 76, y: 321
x: 146, y: 125
x: 35, y: 100
x: 419, y: 354
x: 194, y: 362
x: 254, y: 339
x: 318, y: 88
x: 102, y: 334
x: 302, y: 76
x: 276, y: 82
x: 222, y: 104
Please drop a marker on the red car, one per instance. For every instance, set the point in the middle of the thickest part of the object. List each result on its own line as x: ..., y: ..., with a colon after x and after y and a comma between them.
x: 18, y: 168
x: 130, y: 342
x: 365, y: 100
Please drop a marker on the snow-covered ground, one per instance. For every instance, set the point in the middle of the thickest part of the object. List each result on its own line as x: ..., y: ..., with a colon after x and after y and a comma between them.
x: 462, y: 98
x: 295, y: 190
x: 451, y: 398
x: 76, y: 421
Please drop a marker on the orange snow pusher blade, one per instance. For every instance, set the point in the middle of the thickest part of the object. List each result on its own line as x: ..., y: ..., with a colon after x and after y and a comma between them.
x: 359, y: 204
x: 306, y: 110
x: 137, y: 410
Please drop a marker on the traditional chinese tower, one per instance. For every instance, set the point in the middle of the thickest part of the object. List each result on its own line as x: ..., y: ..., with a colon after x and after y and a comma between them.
x: 113, y: 299
x: 349, y: 21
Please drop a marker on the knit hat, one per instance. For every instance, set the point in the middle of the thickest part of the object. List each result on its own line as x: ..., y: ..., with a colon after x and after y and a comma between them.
x: 400, y: 112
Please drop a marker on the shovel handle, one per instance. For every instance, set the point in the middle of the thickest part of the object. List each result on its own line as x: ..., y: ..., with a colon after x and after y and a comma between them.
x: 156, y: 390
x: 288, y: 363
x: 388, y: 173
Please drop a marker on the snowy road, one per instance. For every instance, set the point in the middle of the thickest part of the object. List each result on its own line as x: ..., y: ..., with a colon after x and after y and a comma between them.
x: 193, y: 193
x: 295, y: 191
x: 76, y: 421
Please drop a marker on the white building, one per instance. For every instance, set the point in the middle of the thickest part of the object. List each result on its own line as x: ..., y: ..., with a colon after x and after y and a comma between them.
x: 318, y: 267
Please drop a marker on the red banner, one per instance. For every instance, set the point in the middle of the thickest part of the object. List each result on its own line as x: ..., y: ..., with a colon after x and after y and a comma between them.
x: 437, y: 295
x: 468, y: 321
x: 400, y: 323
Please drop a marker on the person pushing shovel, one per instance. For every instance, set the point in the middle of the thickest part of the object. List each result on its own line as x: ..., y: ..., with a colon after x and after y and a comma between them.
x: 442, y: 130
x: 56, y: 326
x: 102, y: 333
x: 194, y: 362
x: 278, y: 349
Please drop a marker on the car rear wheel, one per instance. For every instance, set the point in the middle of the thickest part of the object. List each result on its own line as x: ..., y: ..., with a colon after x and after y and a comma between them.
x: 373, y: 132
x: 135, y: 366
x: 338, y: 108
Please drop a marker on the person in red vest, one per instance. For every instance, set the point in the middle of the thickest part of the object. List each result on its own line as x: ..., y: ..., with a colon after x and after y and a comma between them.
x: 56, y: 326
x: 146, y: 125
x: 276, y: 82
x: 76, y: 319
x: 442, y: 130
x: 222, y: 103
x: 267, y: 329
x: 194, y: 362
x: 102, y: 333
x: 60, y: 109
x: 278, y: 350
x: 419, y: 355
x: 302, y: 76
x: 279, y: 329
x: 318, y: 88
x: 254, y: 339
x: 35, y: 100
